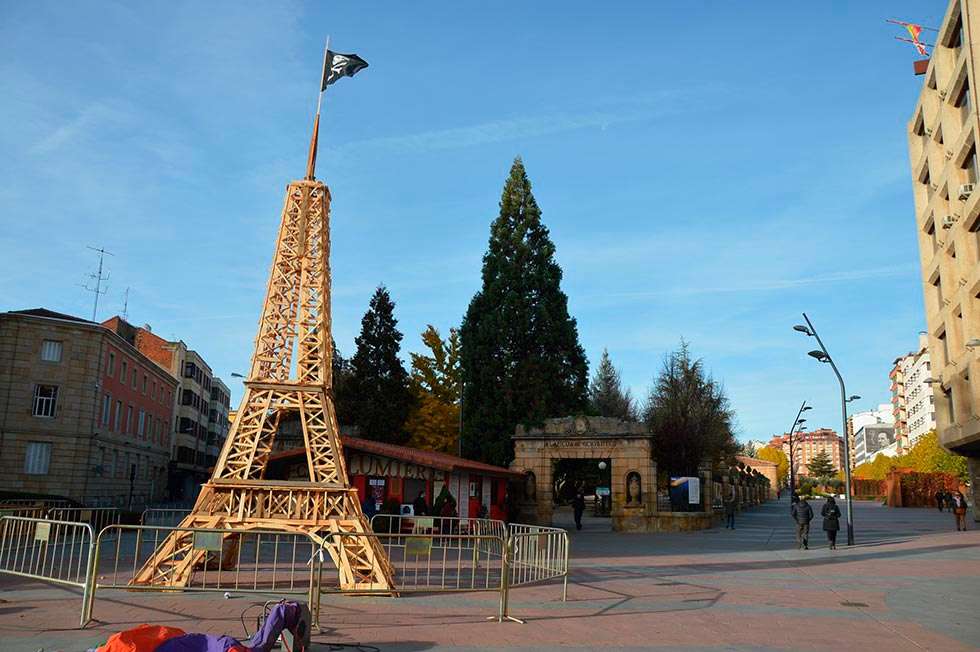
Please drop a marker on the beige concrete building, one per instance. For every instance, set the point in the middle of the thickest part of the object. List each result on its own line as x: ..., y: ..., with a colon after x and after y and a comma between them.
x: 83, y: 414
x: 943, y: 137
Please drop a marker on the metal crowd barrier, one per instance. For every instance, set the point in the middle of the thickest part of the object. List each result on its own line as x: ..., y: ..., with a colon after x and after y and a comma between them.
x: 164, y: 516
x: 538, y: 554
x: 98, y: 517
x: 46, y: 503
x: 48, y: 550
x: 239, y: 561
x: 464, y: 532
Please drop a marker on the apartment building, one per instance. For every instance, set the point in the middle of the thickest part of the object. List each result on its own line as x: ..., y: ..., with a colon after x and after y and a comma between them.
x: 83, y: 414
x: 807, y: 445
x: 873, y: 440
x: 943, y: 136
x: 884, y: 413
x: 218, y: 418
x: 194, y: 442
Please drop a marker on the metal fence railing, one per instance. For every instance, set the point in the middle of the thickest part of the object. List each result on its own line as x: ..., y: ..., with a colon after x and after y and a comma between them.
x: 98, y: 517
x: 165, y: 516
x: 538, y: 554
x: 47, y: 550
x: 424, y: 555
x: 213, y: 559
x: 46, y: 503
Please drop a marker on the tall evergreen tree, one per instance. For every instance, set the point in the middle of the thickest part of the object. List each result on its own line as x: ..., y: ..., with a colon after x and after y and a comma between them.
x: 521, y: 358
x: 377, y: 392
x: 821, y: 466
x: 341, y: 377
x: 689, y: 415
x: 606, y: 395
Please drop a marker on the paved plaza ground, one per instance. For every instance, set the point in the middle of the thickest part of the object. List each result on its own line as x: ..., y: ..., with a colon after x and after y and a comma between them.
x: 910, y: 583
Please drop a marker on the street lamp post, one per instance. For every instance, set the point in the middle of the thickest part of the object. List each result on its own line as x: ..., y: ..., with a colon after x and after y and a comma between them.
x: 792, y: 472
x: 823, y: 356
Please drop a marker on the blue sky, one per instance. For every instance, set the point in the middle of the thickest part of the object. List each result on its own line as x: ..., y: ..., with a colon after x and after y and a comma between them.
x: 707, y: 170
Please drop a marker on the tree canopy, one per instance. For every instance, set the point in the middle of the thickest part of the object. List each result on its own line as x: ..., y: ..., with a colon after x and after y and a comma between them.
x: 773, y: 454
x: 376, y: 393
x: 688, y: 415
x: 434, y: 422
x: 521, y: 358
x: 607, y: 398
x: 821, y: 466
x: 926, y: 456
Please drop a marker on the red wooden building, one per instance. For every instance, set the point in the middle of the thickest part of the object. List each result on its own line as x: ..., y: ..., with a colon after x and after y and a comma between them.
x: 390, y: 471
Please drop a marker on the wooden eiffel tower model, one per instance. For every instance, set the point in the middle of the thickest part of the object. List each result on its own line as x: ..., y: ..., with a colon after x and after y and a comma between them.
x: 296, y: 314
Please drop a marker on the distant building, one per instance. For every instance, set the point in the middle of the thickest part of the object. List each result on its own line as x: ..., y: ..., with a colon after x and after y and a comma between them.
x: 83, y: 414
x: 218, y: 417
x: 874, y: 440
x: 195, y: 444
x: 885, y: 413
x: 943, y: 135
x: 912, y: 398
x: 807, y: 445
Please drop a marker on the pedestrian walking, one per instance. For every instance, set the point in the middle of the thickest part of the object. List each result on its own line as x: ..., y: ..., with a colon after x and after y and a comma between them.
x: 802, y: 514
x: 578, y: 506
x: 940, y: 498
x: 731, y: 502
x: 958, y: 501
x: 831, y: 521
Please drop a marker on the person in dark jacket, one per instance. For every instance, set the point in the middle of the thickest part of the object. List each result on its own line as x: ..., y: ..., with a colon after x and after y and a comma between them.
x: 958, y: 501
x: 802, y: 514
x: 578, y: 506
x: 940, y: 499
x: 731, y: 502
x: 369, y: 507
x: 419, y: 506
x: 831, y: 521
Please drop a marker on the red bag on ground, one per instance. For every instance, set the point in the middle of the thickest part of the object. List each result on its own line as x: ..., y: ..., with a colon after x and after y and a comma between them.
x: 144, y: 638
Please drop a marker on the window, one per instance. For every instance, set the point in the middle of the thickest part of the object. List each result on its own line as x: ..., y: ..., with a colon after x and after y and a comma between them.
x: 144, y: 384
x: 129, y: 419
x: 106, y: 409
x: 45, y: 397
x: 37, y: 458
x: 119, y: 416
x: 141, y: 425
x: 51, y: 351
x: 122, y: 372
x: 189, y: 369
x: 110, y: 469
x: 134, y: 379
x: 110, y: 365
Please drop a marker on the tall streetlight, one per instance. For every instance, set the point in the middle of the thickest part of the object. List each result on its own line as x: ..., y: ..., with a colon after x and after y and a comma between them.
x: 796, y: 422
x: 823, y: 356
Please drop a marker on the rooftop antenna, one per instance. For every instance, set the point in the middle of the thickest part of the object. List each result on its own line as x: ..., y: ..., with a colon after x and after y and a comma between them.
x: 97, y: 278
x: 125, y: 310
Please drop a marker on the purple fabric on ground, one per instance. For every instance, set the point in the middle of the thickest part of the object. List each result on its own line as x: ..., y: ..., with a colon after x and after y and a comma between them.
x: 284, y: 615
x: 201, y: 643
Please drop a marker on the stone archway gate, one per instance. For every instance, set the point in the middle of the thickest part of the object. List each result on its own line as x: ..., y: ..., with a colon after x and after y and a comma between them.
x: 627, y: 445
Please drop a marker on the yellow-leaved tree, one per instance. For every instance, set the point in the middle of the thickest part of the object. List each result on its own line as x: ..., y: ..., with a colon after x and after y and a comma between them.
x: 434, y: 422
x: 773, y: 454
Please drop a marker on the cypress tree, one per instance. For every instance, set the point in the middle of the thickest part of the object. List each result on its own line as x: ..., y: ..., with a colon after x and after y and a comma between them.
x: 606, y: 395
x: 377, y: 393
x: 521, y: 358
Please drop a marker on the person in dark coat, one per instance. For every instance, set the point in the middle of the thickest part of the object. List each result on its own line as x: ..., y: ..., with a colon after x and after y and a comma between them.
x: 578, y: 506
x: 831, y: 521
x: 369, y: 507
x: 419, y: 506
x: 731, y: 502
x: 802, y: 514
x: 958, y: 501
x: 940, y: 499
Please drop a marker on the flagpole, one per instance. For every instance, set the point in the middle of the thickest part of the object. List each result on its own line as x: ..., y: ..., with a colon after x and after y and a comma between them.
x: 311, y: 158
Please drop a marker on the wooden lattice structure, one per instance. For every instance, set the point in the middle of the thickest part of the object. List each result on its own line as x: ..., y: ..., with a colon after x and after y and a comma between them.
x: 295, y: 318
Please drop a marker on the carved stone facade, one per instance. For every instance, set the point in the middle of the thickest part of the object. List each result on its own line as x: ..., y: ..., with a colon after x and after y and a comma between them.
x: 627, y: 446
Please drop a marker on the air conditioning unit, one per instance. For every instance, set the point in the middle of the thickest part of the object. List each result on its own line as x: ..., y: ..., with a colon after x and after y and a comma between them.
x: 966, y: 190
x: 948, y: 221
